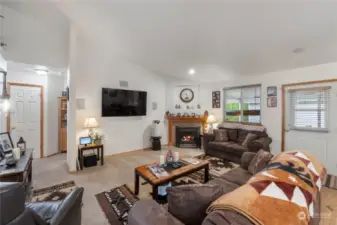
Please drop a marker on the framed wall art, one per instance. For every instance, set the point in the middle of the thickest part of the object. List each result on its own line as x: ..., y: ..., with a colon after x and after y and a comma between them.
x: 272, y: 101
x: 216, y: 99
x: 271, y: 91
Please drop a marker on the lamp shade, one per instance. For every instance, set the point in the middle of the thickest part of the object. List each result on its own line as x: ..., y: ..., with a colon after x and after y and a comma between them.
x: 211, y: 119
x: 90, y: 122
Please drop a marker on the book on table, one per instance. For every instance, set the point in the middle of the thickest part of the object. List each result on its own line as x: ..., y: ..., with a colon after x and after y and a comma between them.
x: 192, y: 161
x: 158, y: 171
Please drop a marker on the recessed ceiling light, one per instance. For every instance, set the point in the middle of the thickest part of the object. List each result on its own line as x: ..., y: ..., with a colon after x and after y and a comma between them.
x: 191, y: 71
x: 41, y: 72
x: 298, y: 50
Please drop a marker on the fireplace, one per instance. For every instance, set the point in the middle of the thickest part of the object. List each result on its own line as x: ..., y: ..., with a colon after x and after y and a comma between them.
x: 187, y: 137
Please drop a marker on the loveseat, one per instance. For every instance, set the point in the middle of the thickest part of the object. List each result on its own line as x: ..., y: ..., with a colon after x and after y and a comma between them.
x: 232, y: 149
x: 15, y: 211
x: 149, y: 212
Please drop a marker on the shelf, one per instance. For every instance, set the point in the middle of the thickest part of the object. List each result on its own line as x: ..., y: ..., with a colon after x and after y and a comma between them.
x: 64, y: 109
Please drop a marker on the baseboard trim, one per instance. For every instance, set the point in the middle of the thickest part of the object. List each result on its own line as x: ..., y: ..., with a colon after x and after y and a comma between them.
x: 47, y: 156
x: 132, y: 151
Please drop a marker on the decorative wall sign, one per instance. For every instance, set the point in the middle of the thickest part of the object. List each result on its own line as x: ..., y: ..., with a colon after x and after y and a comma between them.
x: 271, y: 91
x: 216, y: 99
x: 272, y: 101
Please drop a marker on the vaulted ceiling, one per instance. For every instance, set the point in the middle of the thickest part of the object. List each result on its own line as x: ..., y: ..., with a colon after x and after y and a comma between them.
x: 219, y: 38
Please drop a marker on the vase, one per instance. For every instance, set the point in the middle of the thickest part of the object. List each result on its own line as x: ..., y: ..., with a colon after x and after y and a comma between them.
x: 98, y: 142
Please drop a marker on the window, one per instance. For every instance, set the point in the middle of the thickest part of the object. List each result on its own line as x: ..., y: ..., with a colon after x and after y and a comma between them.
x: 243, y: 104
x: 309, y: 108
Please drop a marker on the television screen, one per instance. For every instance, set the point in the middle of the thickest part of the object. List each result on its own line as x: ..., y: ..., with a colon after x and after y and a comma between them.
x: 118, y: 102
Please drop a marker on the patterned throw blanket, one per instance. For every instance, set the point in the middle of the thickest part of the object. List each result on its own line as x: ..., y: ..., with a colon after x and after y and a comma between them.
x: 283, y: 193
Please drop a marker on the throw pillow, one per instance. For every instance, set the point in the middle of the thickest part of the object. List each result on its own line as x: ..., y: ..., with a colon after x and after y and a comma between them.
x: 188, y: 203
x: 249, y: 138
x: 220, y: 135
x: 260, y: 161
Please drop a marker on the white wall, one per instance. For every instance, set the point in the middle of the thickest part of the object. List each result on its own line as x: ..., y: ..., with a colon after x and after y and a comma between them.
x: 36, y: 40
x: 53, y: 86
x: 98, y: 67
x: 271, y: 117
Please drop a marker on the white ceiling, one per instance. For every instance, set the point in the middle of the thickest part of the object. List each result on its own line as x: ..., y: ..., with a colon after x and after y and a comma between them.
x: 218, y: 38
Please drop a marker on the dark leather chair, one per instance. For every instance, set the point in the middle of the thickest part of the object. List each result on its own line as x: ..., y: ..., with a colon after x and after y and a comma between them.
x: 15, y: 211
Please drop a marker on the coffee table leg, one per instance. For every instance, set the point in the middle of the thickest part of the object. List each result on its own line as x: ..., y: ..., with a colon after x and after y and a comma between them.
x: 136, y: 183
x: 206, y: 174
x: 154, y: 192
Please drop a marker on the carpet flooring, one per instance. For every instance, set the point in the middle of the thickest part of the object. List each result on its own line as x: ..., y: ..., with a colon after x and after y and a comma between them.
x: 116, y: 171
x: 119, y: 170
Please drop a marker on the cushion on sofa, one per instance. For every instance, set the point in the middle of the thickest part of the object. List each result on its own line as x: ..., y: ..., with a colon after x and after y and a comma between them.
x: 188, y: 203
x: 249, y: 138
x: 260, y: 161
x: 226, y: 185
x: 242, y: 135
x: 226, y: 217
x: 231, y: 133
x: 220, y: 135
x: 246, y: 158
x: 238, y: 176
x: 229, y: 147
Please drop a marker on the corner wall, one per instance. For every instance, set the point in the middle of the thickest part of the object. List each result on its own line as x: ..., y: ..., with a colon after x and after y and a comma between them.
x: 99, y: 67
x: 271, y: 117
x: 53, y: 86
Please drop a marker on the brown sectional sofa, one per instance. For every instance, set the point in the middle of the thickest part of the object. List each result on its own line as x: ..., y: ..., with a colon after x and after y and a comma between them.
x: 149, y: 212
x: 233, y: 149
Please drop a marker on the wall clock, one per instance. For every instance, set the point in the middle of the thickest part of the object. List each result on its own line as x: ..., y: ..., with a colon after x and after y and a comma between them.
x: 186, y: 95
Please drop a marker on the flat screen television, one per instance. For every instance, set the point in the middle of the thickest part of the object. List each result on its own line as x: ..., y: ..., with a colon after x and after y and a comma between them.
x: 118, y: 102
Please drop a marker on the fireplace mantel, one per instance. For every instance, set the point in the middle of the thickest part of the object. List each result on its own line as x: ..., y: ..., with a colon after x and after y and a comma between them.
x: 175, y: 119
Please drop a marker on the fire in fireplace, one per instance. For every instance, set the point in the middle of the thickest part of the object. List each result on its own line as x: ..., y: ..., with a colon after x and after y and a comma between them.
x: 187, y: 136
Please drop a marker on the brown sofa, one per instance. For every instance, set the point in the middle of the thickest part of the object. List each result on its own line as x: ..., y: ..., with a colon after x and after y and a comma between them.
x: 233, y: 149
x: 149, y: 212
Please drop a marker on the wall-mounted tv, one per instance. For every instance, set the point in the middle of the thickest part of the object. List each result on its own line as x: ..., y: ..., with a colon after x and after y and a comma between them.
x: 118, y: 102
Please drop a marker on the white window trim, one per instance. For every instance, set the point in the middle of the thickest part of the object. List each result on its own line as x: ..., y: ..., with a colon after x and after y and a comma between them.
x: 309, y: 129
x: 241, y: 103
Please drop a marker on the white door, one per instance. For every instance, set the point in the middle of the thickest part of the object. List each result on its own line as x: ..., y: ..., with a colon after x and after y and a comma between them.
x: 311, y: 122
x: 25, y: 116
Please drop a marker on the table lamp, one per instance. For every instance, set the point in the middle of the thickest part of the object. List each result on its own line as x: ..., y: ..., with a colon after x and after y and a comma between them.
x: 211, y: 120
x: 90, y: 122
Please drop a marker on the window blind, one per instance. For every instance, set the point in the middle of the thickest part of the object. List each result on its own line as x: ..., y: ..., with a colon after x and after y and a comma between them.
x: 309, y: 108
x: 243, y: 104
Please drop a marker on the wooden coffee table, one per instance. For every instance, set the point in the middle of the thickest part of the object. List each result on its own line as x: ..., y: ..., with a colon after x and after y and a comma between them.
x: 144, y: 172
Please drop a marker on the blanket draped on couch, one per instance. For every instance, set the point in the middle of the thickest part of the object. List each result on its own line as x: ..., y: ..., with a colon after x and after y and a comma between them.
x: 282, y: 193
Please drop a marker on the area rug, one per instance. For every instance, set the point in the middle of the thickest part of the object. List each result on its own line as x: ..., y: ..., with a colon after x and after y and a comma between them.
x: 52, y: 193
x: 217, y: 167
x: 330, y: 181
x: 116, y: 204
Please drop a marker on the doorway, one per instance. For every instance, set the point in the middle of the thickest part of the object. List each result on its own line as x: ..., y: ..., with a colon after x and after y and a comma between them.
x: 26, y: 117
x: 309, y: 121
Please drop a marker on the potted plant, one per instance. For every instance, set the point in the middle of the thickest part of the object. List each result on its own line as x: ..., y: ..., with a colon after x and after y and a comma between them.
x: 97, y: 138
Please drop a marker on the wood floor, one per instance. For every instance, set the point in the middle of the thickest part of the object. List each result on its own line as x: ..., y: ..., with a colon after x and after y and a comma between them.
x: 119, y: 170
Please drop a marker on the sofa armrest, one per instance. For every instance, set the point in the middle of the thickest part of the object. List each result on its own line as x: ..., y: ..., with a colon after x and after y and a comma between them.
x: 261, y: 143
x: 246, y: 158
x: 149, y: 212
x: 69, y: 211
x: 206, y: 139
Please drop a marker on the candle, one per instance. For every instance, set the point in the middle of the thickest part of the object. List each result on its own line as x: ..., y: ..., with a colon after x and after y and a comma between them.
x: 16, y: 153
x: 176, y: 156
x: 161, y: 159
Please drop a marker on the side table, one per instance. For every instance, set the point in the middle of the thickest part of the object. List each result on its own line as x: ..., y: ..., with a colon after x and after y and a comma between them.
x: 81, y: 149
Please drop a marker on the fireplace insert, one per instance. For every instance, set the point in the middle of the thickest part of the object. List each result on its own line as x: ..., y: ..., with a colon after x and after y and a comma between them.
x: 188, y: 137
